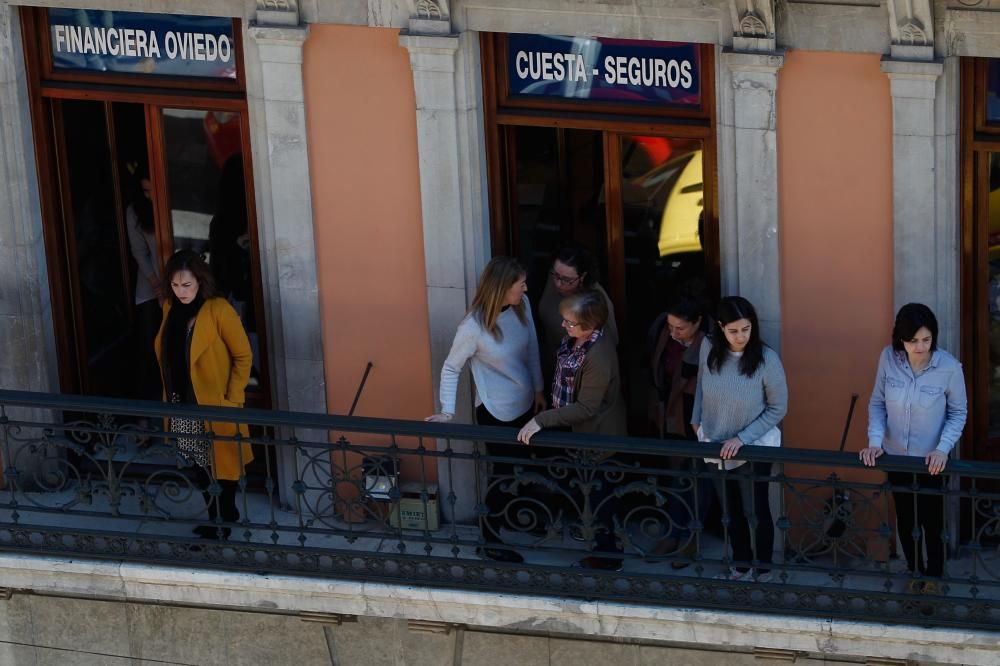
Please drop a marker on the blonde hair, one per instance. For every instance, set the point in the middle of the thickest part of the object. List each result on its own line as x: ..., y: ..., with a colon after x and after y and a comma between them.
x: 497, y: 279
x: 589, y: 307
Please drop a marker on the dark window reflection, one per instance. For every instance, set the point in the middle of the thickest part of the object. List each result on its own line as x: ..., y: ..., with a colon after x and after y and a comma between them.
x: 208, y: 204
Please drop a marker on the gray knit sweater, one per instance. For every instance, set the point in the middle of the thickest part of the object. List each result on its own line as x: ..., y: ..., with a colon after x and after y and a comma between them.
x: 729, y: 404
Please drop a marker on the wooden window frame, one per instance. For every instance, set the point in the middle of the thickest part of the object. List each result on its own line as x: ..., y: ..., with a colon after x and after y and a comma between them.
x: 978, y: 140
x: 155, y: 93
x: 614, y: 120
x: 494, y: 48
x: 36, y: 20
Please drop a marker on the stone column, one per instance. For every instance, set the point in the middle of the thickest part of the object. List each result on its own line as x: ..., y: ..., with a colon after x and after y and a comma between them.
x: 27, y: 340
x: 749, y: 184
x: 453, y: 208
x: 285, y: 222
x: 915, y: 238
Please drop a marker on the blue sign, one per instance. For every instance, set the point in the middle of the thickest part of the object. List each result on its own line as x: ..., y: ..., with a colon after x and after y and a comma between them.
x: 134, y: 43
x: 602, y: 69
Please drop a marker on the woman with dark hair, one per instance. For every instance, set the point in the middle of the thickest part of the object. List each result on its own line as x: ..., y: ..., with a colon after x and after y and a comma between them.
x: 740, y: 399
x: 497, y: 339
x: 574, y: 269
x: 676, y: 338
x: 142, y: 244
x: 205, y: 358
x: 918, y: 408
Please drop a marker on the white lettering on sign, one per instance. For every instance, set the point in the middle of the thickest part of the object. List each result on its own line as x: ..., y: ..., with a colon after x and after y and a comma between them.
x: 551, y: 66
x: 137, y: 43
x: 618, y: 70
x: 649, y: 72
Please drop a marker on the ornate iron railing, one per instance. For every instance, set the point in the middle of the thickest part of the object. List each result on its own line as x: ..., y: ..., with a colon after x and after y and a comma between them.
x: 422, y: 503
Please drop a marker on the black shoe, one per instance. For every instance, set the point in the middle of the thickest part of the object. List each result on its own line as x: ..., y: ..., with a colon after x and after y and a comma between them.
x: 603, y: 563
x: 212, y: 532
x: 500, y: 555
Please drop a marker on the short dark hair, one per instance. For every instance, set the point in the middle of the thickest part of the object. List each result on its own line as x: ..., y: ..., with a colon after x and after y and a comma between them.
x: 910, y: 319
x: 579, y: 258
x: 189, y: 260
x: 688, y: 309
x: 588, y: 306
x: 730, y: 309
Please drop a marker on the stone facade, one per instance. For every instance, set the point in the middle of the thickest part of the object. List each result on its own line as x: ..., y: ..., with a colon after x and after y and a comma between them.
x: 173, y: 615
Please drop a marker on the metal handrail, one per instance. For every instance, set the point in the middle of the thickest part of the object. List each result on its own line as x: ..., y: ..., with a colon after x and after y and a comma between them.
x: 457, y: 431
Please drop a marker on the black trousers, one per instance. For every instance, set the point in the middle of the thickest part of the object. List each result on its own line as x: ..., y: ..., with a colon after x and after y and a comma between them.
x: 920, y: 522
x: 745, y: 500
x: 224, y: 506
x: 494, y: 498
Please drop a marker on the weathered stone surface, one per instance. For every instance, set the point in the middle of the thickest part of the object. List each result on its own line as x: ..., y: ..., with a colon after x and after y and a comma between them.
x: 480, y: 649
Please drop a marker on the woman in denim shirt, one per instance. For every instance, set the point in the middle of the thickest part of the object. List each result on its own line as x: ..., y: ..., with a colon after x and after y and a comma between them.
x: 918, y: 408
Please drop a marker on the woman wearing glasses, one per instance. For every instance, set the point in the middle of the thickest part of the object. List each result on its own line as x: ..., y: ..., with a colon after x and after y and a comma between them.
x: 574, y: 270
x: 497, y: 338
x: 586, y: 396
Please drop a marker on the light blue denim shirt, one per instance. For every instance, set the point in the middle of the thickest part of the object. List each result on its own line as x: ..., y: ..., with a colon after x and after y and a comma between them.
x: 911, y: 415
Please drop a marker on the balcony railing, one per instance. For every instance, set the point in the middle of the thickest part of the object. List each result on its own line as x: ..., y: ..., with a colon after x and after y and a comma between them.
x: 420, y: 503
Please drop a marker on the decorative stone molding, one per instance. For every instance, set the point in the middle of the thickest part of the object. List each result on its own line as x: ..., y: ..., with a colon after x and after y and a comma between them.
x: 753, y: 25
x: 429, y: 17
x: 277, y: 12
x: 911, y: 29
x: 748, y: 179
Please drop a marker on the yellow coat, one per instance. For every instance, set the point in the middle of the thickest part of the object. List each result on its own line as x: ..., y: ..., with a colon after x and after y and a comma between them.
x: 220, y: 370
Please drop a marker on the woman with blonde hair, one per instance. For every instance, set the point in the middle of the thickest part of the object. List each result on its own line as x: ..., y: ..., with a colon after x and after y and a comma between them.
x: 497, y: 338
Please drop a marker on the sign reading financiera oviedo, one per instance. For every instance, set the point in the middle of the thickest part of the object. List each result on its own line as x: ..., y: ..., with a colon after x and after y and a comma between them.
x: 129, y: 42
x: 601, y: 69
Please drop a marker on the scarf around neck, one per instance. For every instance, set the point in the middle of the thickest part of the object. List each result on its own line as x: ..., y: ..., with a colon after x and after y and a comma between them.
x: 177, y: 374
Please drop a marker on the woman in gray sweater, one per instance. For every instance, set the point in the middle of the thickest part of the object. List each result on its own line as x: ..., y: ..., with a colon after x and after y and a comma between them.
x: 741, y: 397
x: 497, y: 339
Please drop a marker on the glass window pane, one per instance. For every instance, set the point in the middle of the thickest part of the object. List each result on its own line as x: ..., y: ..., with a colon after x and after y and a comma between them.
x: 663, y: 215
x: 993, y: 91
x: 993, y: 294
x: 102, y: 286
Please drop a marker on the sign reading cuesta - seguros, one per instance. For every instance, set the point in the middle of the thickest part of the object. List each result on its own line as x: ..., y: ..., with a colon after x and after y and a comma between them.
x: 137, y: 43
x: 602, y: 69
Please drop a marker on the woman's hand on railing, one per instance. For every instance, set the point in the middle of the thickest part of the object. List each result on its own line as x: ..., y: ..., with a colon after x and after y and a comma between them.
x: 440, y: 417
x: 936, y: 461
x: 530, y: 428
x: 730, y: 448
x: 869, y: 454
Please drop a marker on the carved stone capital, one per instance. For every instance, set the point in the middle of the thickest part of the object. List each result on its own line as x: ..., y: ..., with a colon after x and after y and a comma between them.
x: 277, y: 12
x: 911, y: 29
x: 753, y: 25
x: 429, y: 17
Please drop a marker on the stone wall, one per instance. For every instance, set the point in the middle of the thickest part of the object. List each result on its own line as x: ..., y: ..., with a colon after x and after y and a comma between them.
x: 39, y: 630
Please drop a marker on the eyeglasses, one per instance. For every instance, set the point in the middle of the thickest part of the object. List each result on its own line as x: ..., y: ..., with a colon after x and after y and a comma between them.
x: 570, y: 324
x: 559, y: 279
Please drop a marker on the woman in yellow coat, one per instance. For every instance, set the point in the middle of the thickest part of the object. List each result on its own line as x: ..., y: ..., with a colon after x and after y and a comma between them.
x: 205, y: 359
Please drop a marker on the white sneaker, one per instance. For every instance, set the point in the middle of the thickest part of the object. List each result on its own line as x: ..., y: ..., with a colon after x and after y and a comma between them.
x: 733, y: 574
x: 763, y: 577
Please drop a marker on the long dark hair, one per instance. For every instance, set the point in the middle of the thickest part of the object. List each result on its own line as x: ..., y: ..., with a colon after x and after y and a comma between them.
x: 730, y: 309
x: 910, y: 319
x: 189, y: 260
x: 581, y: 259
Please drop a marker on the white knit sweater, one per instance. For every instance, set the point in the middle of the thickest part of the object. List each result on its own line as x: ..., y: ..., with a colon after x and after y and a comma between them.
x: 507, y: 373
